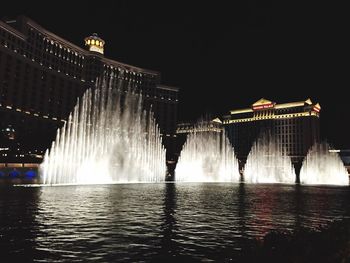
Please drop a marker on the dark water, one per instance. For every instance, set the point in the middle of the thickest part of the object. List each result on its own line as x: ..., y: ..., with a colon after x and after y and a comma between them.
x: 155, y: 222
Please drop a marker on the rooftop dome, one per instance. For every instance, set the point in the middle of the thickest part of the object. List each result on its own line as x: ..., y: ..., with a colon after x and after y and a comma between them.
x: 95, y: 43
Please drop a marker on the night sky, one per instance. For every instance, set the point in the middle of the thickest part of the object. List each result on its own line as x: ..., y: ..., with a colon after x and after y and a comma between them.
x: 222, y: 56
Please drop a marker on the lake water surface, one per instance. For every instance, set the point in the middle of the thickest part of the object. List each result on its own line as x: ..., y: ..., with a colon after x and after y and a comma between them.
x: 156, y: 222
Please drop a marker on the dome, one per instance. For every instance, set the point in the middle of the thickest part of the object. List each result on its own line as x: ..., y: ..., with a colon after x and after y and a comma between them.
x: 94, y: 43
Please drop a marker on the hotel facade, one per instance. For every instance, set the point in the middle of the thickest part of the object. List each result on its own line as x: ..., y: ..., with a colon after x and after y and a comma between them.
x: 296, y: 126
x: 41, y: 77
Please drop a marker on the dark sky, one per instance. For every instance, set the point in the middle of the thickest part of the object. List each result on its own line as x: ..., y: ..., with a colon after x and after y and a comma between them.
x: 222, y: 56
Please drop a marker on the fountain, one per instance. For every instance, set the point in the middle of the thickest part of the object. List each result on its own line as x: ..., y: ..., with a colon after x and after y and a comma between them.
x: 108, y: 138
x: 323, y: 167
x: 268, y: 163
x: 207, y: 156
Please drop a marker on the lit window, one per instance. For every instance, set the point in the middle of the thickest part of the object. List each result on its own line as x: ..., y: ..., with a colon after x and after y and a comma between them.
x: 97, y: 42
x: 93, y: 42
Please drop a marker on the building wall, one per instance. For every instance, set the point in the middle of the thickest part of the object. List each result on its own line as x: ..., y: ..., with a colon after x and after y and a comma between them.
x: 296, y: 127
x: 164, y: 104
x: 42, y: 75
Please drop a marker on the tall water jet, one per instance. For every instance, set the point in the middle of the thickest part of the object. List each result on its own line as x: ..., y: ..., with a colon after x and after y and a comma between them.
x: 207, y: 156
x: 268, y: 163
x: 323, y: 167
x: 108, y: 138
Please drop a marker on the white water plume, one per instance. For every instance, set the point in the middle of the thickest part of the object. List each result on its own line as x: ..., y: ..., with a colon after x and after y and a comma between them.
x: 108, y: 138
x: 207, y: 156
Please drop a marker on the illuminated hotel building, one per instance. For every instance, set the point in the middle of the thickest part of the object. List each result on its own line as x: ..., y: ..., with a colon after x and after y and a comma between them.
x: 183, y: 129
x: 201, y: 126
x: 296, y: 124
x: 42, y: 75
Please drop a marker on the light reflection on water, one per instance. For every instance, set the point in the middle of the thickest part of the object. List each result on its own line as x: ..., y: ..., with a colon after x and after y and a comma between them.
x: 155, y: 222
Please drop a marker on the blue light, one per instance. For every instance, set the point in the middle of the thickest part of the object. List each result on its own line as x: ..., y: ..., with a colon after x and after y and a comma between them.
x: 2, y: 174
x: 30, y: 174
x: 14, y: 174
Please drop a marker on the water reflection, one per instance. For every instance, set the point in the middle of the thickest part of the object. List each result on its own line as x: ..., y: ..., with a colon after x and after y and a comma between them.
x: 299, y: 208
x: 317, y: 206
x: 18, y: 224
x: 169, y: 246
x: 155, y: 222
x: 242, y: 213
x: 242, y: 209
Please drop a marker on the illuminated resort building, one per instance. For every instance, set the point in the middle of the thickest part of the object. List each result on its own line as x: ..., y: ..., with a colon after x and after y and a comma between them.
x: 41, y: 77
x: 296, y: 124
x: 184, y: 128
x: 203, y: 126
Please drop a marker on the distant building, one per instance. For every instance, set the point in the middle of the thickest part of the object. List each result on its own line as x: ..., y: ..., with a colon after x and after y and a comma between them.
x: 42, y: 75
x: 203, y: 126
x: 344, y: 155
x: 296, y: 124
x: 184, y: 128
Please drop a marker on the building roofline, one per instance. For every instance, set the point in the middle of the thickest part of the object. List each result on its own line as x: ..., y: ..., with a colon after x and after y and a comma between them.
x: 127, y: 66
x: 279, y: 106
x: 12, y: 30
x: 57, y: 38
x: 290, y: 104
x: 71, y: 45
x: 262, y: 101
x: 165, y: 87
x: 241, y: 111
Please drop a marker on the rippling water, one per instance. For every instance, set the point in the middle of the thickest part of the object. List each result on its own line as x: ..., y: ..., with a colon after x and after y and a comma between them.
x: 155, y: 222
